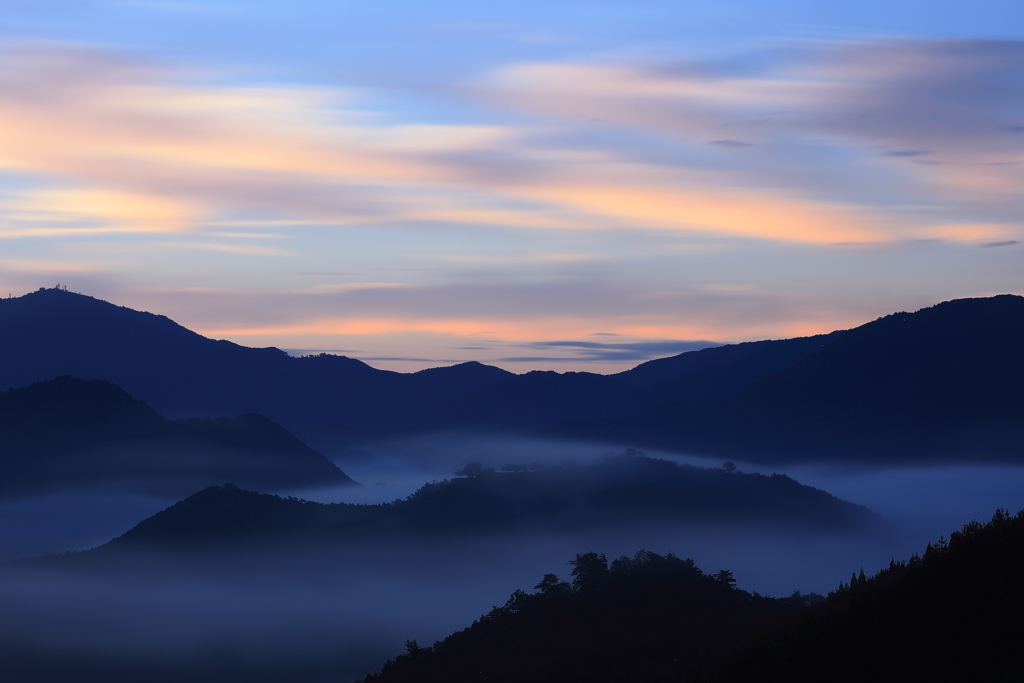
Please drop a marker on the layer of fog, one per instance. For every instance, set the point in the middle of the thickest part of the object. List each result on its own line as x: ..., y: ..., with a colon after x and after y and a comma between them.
x: 922, y: 501
x: 70, y: 520
x: 361, y: 608
x: 356, y: 606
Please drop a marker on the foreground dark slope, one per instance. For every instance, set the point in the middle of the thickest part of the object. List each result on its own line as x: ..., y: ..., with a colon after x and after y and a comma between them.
x: 645, y: 618
x: 951, y: 615
x: 72, y: 433
x: 944, y: 382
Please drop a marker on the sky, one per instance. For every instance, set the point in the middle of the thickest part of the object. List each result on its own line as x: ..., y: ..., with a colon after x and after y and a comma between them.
x: 567, y: 186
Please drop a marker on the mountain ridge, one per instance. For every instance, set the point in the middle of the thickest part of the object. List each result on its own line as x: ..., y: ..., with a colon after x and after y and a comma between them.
x: 334, y: 401
x: 947, y: 380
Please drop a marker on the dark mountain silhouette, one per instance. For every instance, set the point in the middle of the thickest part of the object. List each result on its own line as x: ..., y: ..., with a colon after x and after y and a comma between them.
x: 944, y: 382
x: 951, y: 615
x: 535, y: 399
x: 613, y: 491
x: 713, y: 375
x: 530, y: 401
x: 332, y: 401
x: 53, y: 332
x: 68, y: 432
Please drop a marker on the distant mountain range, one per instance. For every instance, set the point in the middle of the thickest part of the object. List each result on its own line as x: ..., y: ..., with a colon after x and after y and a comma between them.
x: 944, y: 382
x: 72, y: 433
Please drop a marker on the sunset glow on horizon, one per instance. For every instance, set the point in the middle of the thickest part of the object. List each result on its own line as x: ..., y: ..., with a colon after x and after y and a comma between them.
x: 579, y: 188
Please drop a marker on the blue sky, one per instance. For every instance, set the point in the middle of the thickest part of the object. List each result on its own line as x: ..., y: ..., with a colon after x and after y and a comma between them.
x: 571, y: 186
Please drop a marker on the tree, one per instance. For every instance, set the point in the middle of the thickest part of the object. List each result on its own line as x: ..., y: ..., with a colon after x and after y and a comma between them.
x: 725, y: 576
x: 589, y: 570
x: 473, y: 469
x: 552, y: 584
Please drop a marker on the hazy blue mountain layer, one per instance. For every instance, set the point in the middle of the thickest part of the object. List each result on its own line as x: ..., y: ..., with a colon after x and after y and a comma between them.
x: 72, y: 433
x: 613, y: 491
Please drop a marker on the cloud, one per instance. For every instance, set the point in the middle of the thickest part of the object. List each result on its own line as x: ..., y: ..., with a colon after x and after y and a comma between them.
x: 500, y: 317
x: 653, y: 201
x: 622, y: 351
x: 173, y: 154
x: 817, y: 110
x: 731, y: 143
x: 905, y: 153
x: 125, y: 144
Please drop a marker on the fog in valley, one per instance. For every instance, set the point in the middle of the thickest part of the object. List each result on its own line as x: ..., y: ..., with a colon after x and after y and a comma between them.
x: 350, y: 606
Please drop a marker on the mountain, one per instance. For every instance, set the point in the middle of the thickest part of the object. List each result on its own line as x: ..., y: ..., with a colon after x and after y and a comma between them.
x: 713, y: 375
x: 950, y: 615
x: 535, y: 399
x: 52, y: 332
x: 944, y: 382
x: 332, y: 401
x: 73, y: 433
x: 616, y: 490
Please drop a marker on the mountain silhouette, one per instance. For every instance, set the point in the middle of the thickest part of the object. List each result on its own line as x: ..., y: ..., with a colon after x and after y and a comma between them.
x: 72, y: 433
x: 535, y: 399
x: 53, y: 332
x: 333, y: 401
x: 944, y: 382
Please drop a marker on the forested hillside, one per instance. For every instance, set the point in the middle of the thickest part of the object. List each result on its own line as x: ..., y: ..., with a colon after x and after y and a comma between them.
x: 949, y: 615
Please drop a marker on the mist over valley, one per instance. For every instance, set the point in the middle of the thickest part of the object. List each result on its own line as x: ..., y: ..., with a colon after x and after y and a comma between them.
x: 236, y: 512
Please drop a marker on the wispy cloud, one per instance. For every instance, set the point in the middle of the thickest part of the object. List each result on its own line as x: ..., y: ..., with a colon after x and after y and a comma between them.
x: 621, y: 351
x: 130, y: 144
x: 953, y: 103
x: 654, y: 201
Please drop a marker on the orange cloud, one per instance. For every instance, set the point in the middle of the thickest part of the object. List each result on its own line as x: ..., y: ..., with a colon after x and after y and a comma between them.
x: 508, y: 331
x: 967, y: 232
x: 135, y: 150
